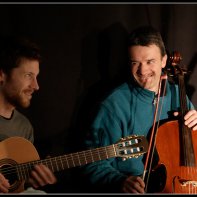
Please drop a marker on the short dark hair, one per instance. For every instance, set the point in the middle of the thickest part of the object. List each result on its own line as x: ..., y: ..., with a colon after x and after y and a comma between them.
x: 145, y: 36
x: 13, y: 49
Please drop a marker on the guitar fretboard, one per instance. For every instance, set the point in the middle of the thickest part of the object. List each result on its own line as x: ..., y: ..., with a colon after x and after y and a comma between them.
x: 67, y: 161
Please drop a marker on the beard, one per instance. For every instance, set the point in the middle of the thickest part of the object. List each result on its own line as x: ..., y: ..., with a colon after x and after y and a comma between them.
x: 18, y: 100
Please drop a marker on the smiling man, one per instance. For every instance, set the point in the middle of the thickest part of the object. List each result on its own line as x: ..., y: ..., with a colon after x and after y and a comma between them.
x: 129, y: 110
x: 19, y: 68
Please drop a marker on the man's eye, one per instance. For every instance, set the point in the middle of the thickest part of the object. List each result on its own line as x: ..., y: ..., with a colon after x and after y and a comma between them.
x: 151, y: 62
x: 28, y: 75
x: 134, y: 63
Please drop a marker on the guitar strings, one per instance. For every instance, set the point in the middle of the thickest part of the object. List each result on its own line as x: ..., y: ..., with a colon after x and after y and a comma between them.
x: 66, y: 161
x: 63, y: 162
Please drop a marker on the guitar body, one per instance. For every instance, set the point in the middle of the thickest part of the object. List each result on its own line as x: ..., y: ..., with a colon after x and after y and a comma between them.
x: 16, y: 150
x: 18, y: 156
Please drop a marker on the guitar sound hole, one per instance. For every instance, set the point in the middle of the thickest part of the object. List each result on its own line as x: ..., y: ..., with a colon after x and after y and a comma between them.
x: 9, y: 172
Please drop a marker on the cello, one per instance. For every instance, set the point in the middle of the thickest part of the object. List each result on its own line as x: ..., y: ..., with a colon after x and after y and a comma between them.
x: 176, y: 145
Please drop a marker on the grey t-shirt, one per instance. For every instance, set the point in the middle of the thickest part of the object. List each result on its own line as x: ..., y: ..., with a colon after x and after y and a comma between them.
x: 17, y: 125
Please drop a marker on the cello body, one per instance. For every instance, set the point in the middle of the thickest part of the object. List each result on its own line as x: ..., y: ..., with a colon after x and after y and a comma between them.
x: 176, y: 146
x: 180, y: 178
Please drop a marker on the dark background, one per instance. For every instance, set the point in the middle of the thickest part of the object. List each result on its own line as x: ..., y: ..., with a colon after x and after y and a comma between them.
x: 84, y: 55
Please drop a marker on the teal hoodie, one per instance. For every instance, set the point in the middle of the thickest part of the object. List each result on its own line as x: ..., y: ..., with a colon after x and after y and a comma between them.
x: 127, y: 110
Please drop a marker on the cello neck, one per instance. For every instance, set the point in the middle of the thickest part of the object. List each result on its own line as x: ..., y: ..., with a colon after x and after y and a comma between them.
x: 186, y: 144
x: 187, y: 155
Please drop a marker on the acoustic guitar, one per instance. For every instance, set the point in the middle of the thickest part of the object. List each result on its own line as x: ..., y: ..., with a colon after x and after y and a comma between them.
x: 18, y: 156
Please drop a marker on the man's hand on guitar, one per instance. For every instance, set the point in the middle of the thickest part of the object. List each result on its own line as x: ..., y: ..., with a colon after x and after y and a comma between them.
x: 41, y: 175
x: 4, y: 184
x: 133, y: 184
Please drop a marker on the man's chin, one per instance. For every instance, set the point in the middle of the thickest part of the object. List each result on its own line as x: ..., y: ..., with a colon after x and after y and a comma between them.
x: 25, y: 104
x: 147, y: 86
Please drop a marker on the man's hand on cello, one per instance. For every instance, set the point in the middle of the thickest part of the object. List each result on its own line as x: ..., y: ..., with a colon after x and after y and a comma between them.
x: 190, y: 119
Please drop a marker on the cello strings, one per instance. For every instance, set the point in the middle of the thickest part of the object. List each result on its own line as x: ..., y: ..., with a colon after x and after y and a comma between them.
x: 188, y: 161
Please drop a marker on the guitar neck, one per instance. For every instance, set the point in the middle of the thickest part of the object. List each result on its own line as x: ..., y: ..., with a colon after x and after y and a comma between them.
x: 68, y: 161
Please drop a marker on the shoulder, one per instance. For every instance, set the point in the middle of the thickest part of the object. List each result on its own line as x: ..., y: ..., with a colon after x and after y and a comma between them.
x: 120, y: 91
x: 173, y: 87
x: 24, y: 125
x: 119, y: 97
x: 21, y: 117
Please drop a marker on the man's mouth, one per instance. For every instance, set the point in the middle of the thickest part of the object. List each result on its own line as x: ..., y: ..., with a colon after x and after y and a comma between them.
x: 28, y: 94
x: 144, y: 77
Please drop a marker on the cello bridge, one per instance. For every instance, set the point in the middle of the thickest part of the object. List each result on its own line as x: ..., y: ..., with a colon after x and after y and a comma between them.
x: 188, y: 182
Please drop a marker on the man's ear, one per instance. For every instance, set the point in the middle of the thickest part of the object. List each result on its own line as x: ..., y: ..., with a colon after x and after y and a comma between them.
x: 2, y: 76
x: 164, y: 61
